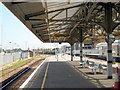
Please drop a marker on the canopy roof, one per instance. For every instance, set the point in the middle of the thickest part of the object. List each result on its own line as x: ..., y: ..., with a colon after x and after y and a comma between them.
x: 46, y: 19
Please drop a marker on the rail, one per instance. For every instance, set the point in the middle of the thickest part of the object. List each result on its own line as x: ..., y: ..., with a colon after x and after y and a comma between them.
x: 8, y: 81
x: 115, y: 58
x: 13, y: 78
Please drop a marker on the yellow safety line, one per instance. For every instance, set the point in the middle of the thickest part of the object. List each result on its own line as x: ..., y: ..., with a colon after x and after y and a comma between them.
x: 117, y: 63
x: 44, y: 79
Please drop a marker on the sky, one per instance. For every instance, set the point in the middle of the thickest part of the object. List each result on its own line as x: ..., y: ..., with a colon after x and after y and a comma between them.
x: 14, y: 34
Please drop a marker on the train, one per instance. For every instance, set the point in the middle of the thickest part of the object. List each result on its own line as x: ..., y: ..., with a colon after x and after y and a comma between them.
x: 100, y: 51
x: 102, y: 47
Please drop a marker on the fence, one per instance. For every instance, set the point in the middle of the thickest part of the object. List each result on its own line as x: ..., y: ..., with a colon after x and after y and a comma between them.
x: 7, y: 58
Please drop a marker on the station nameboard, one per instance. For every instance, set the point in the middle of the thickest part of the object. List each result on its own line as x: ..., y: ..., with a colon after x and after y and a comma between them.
x: 61, y: 35
x: 116, y: 34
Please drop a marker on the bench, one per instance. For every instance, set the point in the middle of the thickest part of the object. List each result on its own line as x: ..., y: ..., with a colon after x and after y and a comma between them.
x: 94, y: 66
x: 104, y: 67
x: 83, y: 63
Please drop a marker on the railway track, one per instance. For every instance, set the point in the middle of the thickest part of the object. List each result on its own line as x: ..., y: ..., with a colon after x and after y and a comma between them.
x: 14, y: 77
x: 101, y: 57
x: 115, y: 58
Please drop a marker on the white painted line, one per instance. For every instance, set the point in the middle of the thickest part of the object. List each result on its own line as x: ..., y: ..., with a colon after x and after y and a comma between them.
x: 29, y: 78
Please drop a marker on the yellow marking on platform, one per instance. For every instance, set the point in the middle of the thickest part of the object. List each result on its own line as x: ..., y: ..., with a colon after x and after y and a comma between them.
x: 44, y: 79
x: 117, y: 63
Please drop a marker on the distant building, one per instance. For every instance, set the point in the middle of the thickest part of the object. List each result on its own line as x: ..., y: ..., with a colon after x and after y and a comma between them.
x: 84, y: 46
x: 87, y: 48
x: 65, y: 48
x: 26, y: 54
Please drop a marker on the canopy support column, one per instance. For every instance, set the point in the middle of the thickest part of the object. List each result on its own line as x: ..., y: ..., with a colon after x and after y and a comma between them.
x: 108, y: 27
x: 81, y: 49
x: 72, y: 47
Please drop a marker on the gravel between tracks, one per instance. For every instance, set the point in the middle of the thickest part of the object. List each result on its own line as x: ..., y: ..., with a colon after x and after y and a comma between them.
x: 17, y: 83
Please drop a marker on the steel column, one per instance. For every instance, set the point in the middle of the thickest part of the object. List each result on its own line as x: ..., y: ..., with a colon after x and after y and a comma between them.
x: 81, y: 52
x: 72, y: 45
x: 108, y: 26
x: 81, y: 49
x: 118, y: 49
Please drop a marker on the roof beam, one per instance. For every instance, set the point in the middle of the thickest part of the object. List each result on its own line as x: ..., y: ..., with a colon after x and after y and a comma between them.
x: 41, y: 29
x: 41, y: 32
x: 59, y: 29
x: 60, y: 24
x: 53, y: 25
x: 18, y: 2
x: 39, y: 24
x: 56, y: 14
x: 35, y: 14
x: 43, y: 12
x: 52, y: 20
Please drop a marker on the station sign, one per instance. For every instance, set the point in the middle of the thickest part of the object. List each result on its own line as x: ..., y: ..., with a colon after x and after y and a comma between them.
x: 116, y: 34
x: 61, y: 35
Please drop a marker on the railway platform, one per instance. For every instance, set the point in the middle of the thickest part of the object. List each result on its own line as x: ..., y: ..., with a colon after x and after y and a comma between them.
x: 72, y: 22
x: 59, y: 72
x: 100, y: 79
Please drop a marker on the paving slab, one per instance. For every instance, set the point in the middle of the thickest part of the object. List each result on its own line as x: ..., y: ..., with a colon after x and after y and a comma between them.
x: 64, y: 73
x: 100, y: 79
